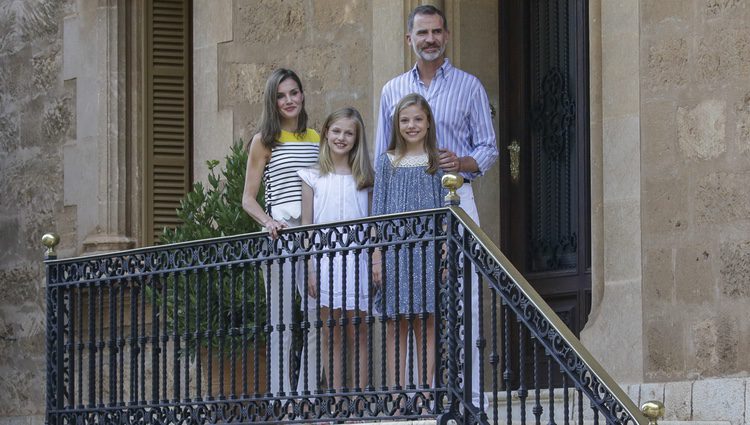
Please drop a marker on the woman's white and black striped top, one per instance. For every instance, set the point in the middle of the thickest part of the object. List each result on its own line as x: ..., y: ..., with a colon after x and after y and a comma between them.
x: 282, y: 184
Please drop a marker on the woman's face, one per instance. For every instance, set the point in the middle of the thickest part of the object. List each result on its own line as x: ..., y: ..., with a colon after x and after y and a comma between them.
x: 341, y: 136
x: 289, y: 99
x: 413, y: 125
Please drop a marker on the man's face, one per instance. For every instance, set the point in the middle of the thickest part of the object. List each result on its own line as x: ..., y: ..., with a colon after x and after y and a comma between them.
x: 428, y: 37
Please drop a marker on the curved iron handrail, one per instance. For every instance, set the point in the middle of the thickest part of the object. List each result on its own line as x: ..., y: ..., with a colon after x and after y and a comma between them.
x: 578, y: 363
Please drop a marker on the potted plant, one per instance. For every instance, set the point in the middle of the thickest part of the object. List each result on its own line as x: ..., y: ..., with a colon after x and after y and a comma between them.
x: 213, y: 211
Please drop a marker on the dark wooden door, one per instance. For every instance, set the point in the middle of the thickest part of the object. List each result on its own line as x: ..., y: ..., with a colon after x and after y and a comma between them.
x: 544, y: 118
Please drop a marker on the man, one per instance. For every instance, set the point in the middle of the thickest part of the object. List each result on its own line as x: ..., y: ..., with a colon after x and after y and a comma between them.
x: 461, y: 109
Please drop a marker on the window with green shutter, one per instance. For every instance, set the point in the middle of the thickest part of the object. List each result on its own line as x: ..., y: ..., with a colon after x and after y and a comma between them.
x: 168, y: 114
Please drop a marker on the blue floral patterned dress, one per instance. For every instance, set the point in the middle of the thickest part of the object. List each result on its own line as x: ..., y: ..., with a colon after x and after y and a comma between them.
x: 404, y: 185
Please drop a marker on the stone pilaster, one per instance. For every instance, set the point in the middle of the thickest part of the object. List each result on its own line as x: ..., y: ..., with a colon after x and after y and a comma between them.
x: 95, y: 61
x: 212, y: 133
x: 614, y: 331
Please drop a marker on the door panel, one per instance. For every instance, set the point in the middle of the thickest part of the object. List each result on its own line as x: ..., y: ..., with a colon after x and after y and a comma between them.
x: 545, y: 206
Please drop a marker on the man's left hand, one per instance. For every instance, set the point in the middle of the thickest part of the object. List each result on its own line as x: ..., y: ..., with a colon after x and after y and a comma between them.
x: 449, y: 162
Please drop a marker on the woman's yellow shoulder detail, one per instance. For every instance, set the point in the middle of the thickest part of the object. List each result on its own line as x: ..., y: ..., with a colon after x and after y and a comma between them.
x: 309, y: 136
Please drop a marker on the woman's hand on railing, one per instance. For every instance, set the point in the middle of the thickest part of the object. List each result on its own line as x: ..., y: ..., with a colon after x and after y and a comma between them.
x: 273, y: 227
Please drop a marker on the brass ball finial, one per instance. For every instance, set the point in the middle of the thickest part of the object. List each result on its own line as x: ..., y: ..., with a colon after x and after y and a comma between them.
x: 452, y: 182
x: 50, y: 240
x: 653, y: 410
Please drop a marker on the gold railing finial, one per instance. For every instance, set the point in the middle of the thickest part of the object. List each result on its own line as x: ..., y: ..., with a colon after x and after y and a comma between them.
x: 452, y: 182
x: 50, y: 240
x: 653, y: 410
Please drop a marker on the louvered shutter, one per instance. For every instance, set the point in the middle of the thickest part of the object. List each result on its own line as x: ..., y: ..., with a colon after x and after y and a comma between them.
x: 168, y: 114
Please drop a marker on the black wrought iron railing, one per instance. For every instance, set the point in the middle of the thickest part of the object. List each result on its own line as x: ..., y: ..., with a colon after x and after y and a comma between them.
x: 184, y: 333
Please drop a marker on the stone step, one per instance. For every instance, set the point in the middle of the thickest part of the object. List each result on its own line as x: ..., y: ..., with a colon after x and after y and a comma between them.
x: 663, y: 422
x: 586, y: 422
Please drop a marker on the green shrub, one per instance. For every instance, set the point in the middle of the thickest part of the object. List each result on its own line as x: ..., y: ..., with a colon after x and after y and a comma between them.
x: 209, y: 212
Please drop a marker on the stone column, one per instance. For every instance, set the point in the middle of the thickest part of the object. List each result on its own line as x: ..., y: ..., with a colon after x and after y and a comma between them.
x: 614, y: 333
x: 95, y: 161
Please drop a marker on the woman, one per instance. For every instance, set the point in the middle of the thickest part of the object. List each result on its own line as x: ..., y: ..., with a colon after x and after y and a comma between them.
x: 282, y: 146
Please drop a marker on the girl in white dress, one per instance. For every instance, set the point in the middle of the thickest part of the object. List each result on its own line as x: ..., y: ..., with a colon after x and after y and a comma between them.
x: 340, y: 188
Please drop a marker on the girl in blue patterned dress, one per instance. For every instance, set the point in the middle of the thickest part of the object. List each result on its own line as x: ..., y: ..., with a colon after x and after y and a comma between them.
x: 407, y: 178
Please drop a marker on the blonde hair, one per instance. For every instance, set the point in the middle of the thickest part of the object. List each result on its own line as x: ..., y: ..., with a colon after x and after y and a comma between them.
x: 397, y: 146
x: 359, y: 158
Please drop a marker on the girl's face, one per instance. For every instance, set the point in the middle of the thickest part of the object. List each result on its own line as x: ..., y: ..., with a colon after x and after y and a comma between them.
x: 341, y: 136
x: 289, y: 99
x: 413, y: 125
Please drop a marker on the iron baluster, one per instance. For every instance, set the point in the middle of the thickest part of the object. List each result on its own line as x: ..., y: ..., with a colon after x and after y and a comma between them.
x: 76, y: 341
x: 522, y: 390
x: 133, y: 343
x: 257, y: 331
x: 330, y: 323
x: 305, y: 327
x: 318, y: 324
x: 495, y: 359
x: 383, y: 321
x: 268, y: 327
x: 551, y: 386
x: 480, y: 346
x: 243, y: 332
x: 165, y: 335
x: 221, y: 331
x: 113, y: 345
x: 142, y: 340
x: 437, y: 251
x: 566, y: 399
x: 423, y: 315
x: 452, y: 315
x: 467, y: 324
x: 190, y: 339
x: 537, y: 410
x: 396, y: 319
x: 209, y: 335
x: 154, y: 343
x: 356, y: 323
x: 233, y: 334
x: 370, y: 321
x: 343, y: 322
x: 176, y: 336
x: 281, y: 326
x: 92, y: 346
x: 409, y: 383
x: 508, y: 371
x: 198, y: 396
x: 121, y: 343
x: 293, y: 324
x: 100, y: 344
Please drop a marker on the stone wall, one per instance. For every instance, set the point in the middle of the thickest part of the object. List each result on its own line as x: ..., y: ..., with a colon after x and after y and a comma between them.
x: 36, y: 117
x: 695, y: 171
x: 328, y: 44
